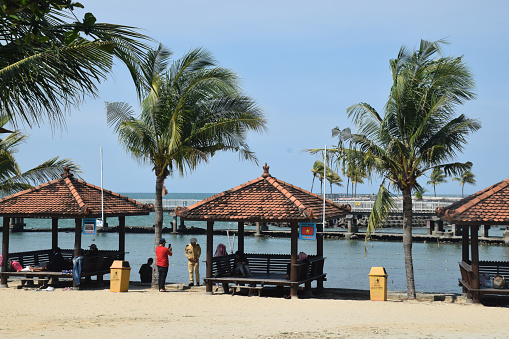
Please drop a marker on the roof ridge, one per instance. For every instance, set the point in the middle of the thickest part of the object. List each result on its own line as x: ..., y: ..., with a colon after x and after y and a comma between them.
x: 483, y: 195
x: 110, y: 192
x: 76, y: 195
x: 301, y: 206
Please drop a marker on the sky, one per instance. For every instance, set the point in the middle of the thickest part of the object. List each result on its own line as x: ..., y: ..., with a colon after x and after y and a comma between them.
x: 304, y: 62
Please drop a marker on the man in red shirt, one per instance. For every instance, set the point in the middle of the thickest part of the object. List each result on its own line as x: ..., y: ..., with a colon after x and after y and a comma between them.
x: 162, y: 262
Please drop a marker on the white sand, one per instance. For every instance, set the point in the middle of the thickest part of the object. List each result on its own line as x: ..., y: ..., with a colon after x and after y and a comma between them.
x: 193, y: 314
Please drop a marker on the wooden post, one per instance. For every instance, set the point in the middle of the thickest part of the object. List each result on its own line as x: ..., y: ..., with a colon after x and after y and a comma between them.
x: 319, y: 253
x: 465, y: 253
x: 240, y: 236
x: 293, y: 254
x: 77, y: 241
x: 121, y: 236
x: 210, y: 248
x: 5, y: 249
x: 475, y: 263
x: 54, y: 233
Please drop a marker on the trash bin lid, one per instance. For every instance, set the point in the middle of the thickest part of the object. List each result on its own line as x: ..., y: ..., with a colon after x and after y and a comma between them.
x: 120, y: 264
x: 378, y: 271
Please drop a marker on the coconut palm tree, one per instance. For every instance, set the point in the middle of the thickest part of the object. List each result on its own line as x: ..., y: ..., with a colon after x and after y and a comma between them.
x: 333, y: 178
x: 466, y: 177
x: 48, y: 64
x: 418, y: 131
x: 317, y: 170
x: 188, y: 113
x: 437, y: 177
x: 12, y: 179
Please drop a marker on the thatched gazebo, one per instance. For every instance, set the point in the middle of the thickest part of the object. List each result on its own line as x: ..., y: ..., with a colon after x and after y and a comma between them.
x: 265, y: 199
x: 65, y: 198
x: 487, y: 207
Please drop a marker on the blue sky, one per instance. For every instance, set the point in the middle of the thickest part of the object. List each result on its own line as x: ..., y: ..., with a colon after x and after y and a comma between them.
x: 304, y: 63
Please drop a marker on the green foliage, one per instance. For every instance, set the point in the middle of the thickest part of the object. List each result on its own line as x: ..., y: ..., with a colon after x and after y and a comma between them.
x: 466, y: 177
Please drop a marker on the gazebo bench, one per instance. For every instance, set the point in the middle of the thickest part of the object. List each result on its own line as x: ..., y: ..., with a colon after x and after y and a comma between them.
x: 266, y: 269
x: 490, y: 268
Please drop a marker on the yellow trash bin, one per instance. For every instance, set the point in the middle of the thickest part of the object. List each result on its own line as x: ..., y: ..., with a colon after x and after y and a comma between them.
x: 119, y: 277
x: 378, y: 284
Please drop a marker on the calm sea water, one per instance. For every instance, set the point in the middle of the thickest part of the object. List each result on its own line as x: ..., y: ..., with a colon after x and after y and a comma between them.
x: 435, y: 264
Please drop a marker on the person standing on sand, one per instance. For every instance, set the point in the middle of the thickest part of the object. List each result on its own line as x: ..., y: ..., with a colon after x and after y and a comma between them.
x: 162, y: 254
x: 193, y: 252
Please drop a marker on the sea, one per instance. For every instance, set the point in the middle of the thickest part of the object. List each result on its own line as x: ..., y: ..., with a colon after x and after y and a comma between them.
x: 347, y: 265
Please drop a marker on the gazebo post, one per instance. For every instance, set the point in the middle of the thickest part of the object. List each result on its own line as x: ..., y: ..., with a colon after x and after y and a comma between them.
x: 121, y: 236
x: 77, y: 242
x: 465, y: 253
x: 475, y: 263
x: 54, y: 233
x: 240, y: 236
x: 319, y: 253
x: 5, y: 250
x: 210, y: 246
x: 293, y: 254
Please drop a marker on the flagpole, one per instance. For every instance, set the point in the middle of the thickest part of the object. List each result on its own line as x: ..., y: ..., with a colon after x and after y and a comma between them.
x: 102, y: 193
x: 324, y: 179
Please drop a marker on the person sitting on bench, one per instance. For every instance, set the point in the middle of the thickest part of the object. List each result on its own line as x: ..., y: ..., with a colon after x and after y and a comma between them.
x: 241, y: 264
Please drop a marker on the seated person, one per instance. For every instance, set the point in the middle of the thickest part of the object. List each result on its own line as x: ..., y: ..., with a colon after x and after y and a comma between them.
x: 302, y: 259
x: 146, y: 271
x: 241, y: 264
x: 93, y: 251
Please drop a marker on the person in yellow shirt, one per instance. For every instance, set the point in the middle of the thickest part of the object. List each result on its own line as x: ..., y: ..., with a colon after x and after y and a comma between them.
x: 193, y: 252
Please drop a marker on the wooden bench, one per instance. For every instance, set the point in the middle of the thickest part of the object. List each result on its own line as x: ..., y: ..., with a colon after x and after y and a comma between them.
x: 250, y: 288
x: 266, y: 269
x: 92, y: 266
x: 489, y: 268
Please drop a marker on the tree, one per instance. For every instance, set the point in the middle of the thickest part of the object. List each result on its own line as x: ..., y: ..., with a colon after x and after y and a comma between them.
x: 188, y: 113
x: 437, y: 177
x: 48, y: 64
x: 12, y: 179
x: 418, y: 131
x: 317, y: 170
x: 333, y: 178
x: 466, y: 177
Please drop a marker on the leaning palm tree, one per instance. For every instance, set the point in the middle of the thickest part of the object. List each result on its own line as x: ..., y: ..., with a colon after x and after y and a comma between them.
x: 466, y: 177
x: 334, y: 179
x: 316, y: 170
x: 437, y: 177
x: 48, y: 63
x: 12, y: 178
x: 188, y: 113
x: 418, y: 131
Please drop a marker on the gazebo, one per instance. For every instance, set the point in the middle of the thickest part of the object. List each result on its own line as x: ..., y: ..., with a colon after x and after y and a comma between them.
x: 265, y: 199
x: 66, y: 198
x: 487, y: 207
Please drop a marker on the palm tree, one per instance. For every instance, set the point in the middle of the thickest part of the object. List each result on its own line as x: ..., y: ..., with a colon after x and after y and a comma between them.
x: 437, y: 177
x: 317, y: 170
x: 12, y: 179
x: 417, y: 132
x: 188, y: 113
x: 466, y: 177
x: 48, y: 64
x: 333, y: 178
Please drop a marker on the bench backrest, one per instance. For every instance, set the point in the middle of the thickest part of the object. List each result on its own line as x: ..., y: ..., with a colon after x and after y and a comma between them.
x: 494, y: 268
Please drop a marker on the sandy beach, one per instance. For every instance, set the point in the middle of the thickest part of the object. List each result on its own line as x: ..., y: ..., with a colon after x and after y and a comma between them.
x: 143, y: 312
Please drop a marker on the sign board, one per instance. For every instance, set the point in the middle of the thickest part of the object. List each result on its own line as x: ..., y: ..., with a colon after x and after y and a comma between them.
x: 307, y: 231
x: 89, y: 226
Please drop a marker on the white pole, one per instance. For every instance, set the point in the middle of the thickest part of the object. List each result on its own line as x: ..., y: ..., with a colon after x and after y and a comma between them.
x: 102, y: 193
x: 324, y: 180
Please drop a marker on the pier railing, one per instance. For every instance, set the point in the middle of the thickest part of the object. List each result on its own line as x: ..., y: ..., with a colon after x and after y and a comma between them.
x: 418, y: 206
x: 170, y: 204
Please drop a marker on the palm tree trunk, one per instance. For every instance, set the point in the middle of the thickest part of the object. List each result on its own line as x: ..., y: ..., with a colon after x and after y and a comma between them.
x: 312, y: 183
x: 407, y: 242
x: 158, y: 224
x: 347, y: 185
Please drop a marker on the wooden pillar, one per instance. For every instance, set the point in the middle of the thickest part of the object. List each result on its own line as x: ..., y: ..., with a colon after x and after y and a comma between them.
x: 54, y: 233
x: 240, y: 236
x: 5, y: 249
x: 77, y: 241
x: 319, y: 253
x: 210, y: 248
x: 293, y: 254
x: 121, y: 236
x: 465, y: 253
x: 475, y: 263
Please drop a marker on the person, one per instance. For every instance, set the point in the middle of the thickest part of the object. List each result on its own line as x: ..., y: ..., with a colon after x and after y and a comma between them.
x: 146, y: 271
x: 162, y: 262
x: 241, y: 264
x: 193, y: 252
x: 220, y: 252
x: 93, y: 251
x: 301, y: 259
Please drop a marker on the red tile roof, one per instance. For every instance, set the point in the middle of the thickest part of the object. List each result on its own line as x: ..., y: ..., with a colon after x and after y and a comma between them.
x: 487, y: 207
x: 263, y: 199
x: 68, y: 197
